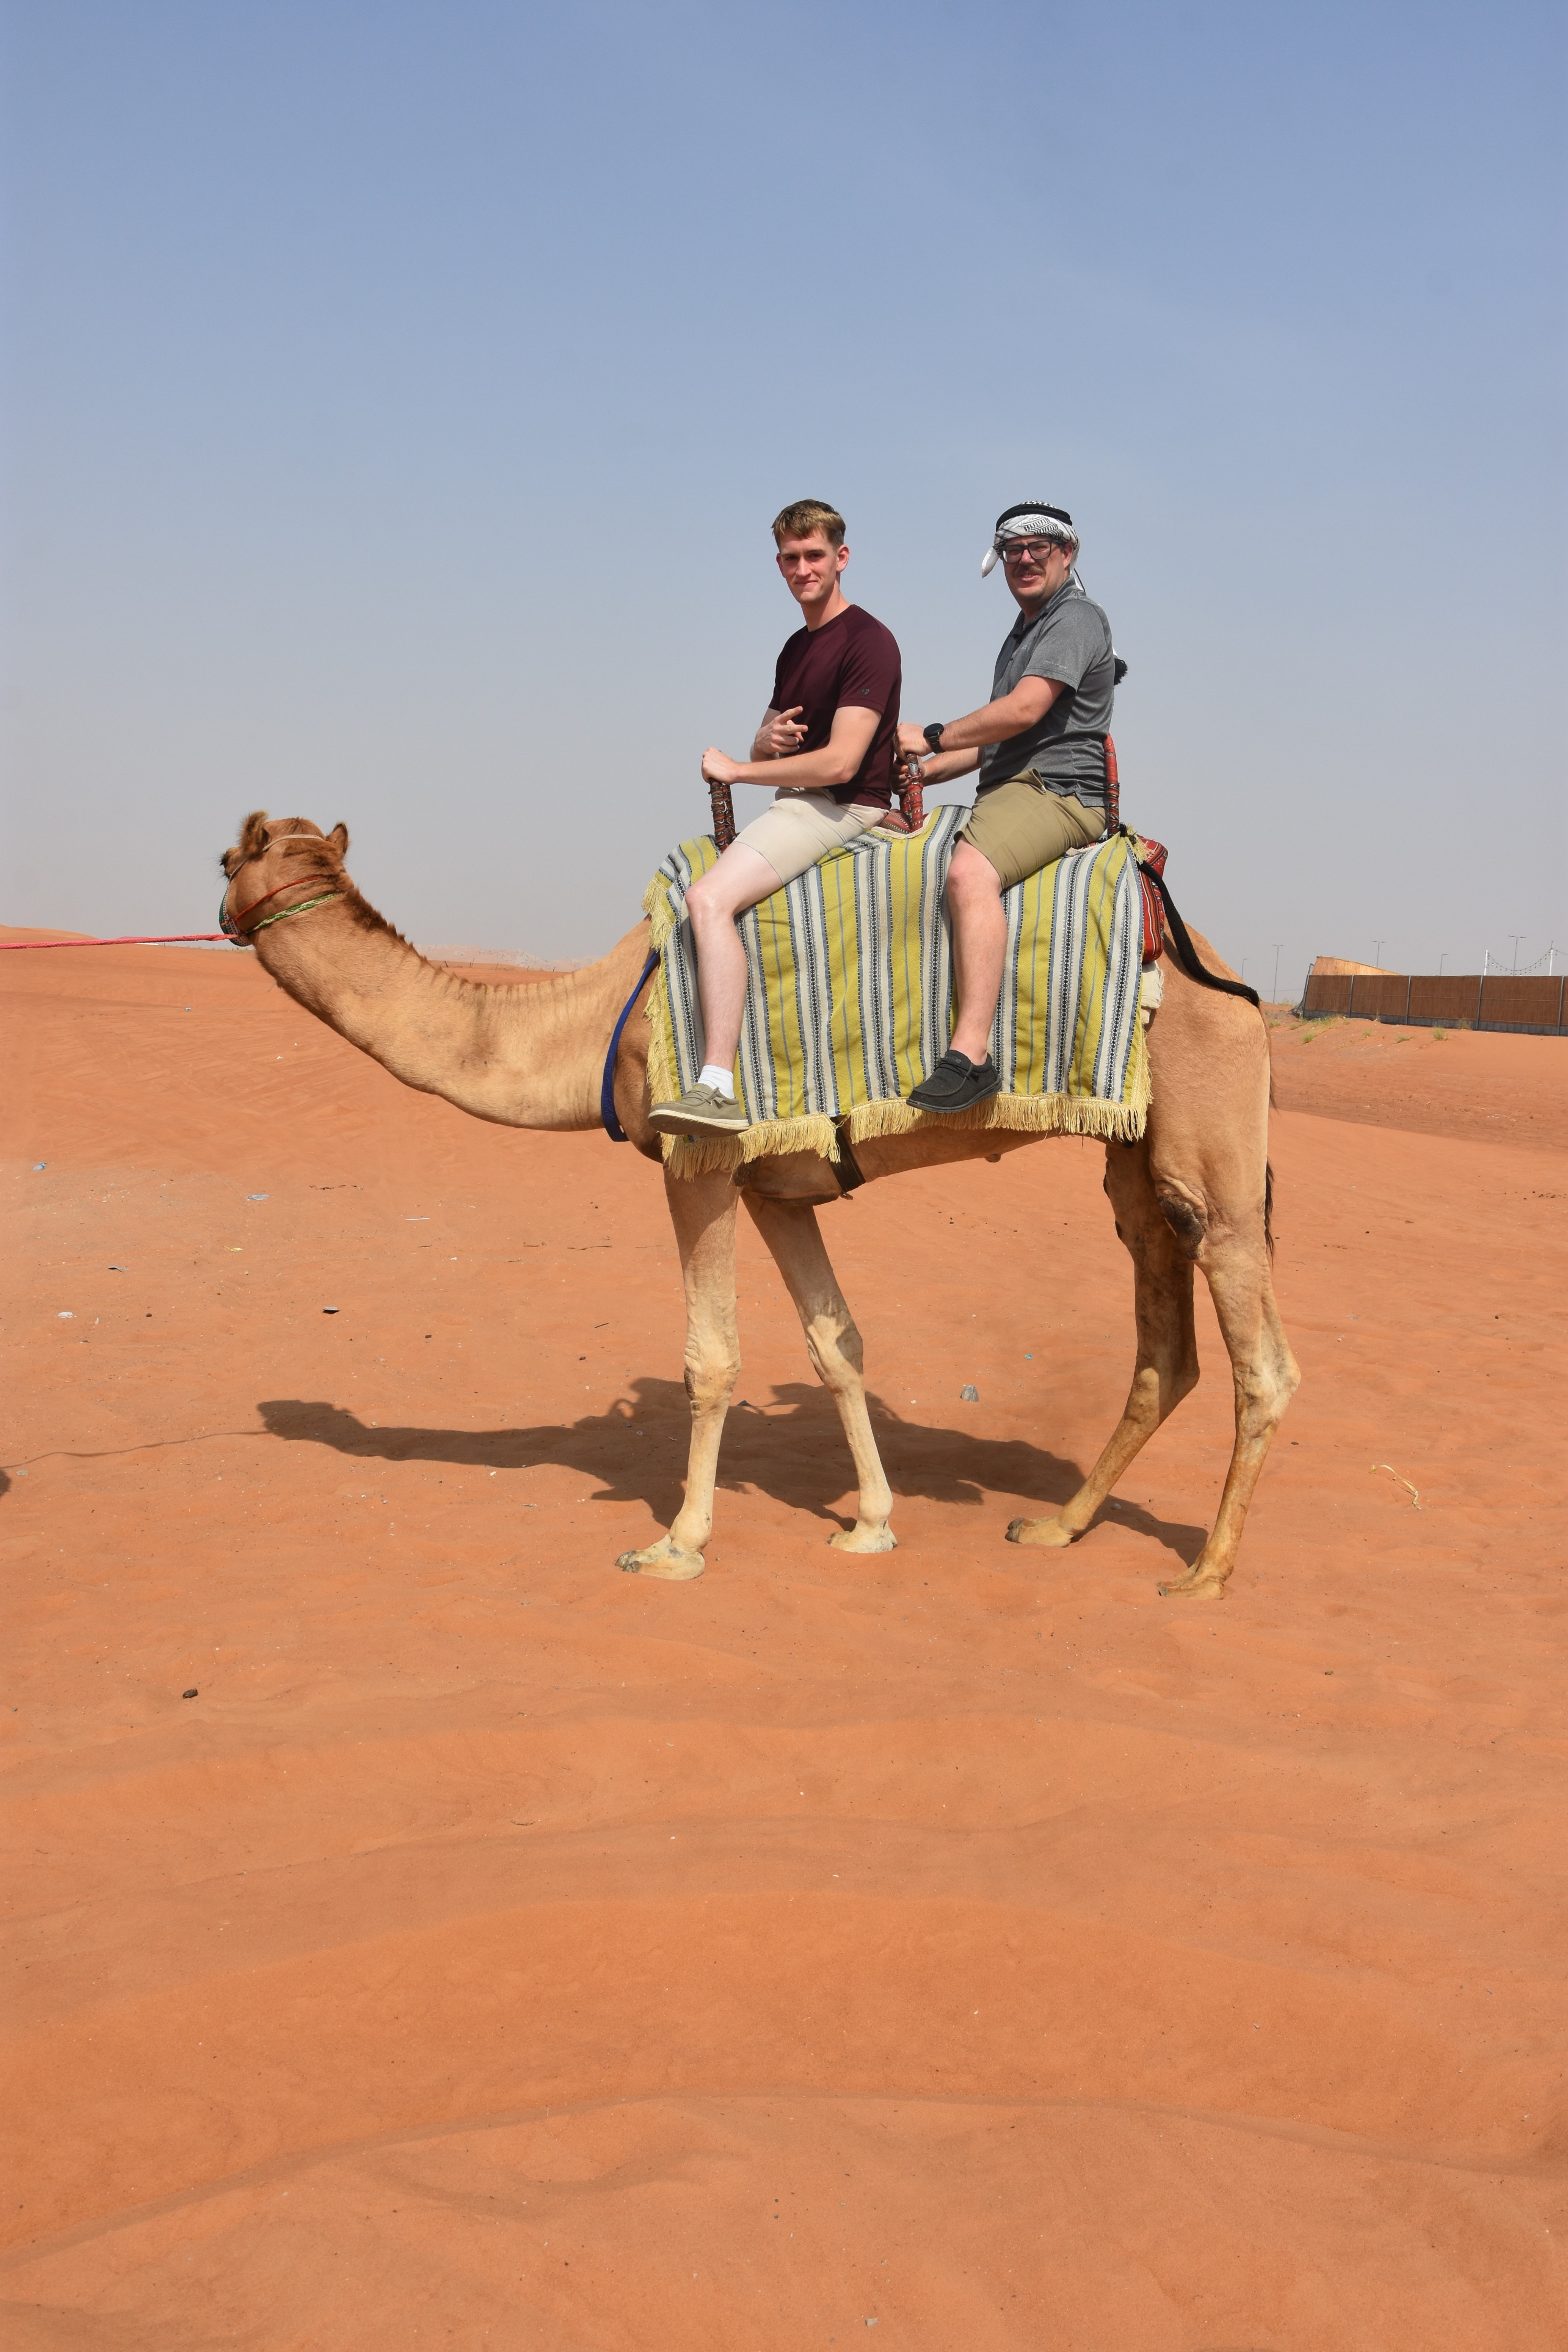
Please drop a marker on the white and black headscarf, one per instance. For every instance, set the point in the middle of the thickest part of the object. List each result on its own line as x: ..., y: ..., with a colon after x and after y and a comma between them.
x: 1032, y: 520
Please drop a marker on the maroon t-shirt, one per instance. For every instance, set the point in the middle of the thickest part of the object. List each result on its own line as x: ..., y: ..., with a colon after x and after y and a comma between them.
x: 851, y: 658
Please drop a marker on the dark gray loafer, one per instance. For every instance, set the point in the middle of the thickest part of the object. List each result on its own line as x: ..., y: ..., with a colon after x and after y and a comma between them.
x: 957, y: 1084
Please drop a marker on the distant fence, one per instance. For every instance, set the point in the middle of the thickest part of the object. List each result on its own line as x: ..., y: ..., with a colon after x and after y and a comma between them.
x: 1532, y: 1004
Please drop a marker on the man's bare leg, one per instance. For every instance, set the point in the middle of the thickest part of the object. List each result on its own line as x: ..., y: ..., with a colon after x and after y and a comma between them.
x: 979, y: 948
x: 966, y: 1076
x: 739, y: 880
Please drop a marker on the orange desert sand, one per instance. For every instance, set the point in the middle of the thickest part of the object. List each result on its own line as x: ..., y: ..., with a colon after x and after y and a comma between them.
x: 964, y: 1944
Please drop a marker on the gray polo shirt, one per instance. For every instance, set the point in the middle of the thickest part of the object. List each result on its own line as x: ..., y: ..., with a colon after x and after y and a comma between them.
x: 1068, y: 641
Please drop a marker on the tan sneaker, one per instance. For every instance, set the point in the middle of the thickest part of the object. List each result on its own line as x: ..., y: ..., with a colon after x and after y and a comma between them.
x: 701, y: 1110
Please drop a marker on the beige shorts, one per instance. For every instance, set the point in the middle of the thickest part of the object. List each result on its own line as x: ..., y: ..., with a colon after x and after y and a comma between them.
x: 799, y: 828
x: 1021, y: 825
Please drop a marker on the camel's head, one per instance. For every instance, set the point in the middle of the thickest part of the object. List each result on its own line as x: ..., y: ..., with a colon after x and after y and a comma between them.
x: 271, y: 857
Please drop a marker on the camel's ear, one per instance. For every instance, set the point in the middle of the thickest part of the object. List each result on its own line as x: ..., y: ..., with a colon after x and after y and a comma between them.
x: 251, y: 834
x: 338, y: 839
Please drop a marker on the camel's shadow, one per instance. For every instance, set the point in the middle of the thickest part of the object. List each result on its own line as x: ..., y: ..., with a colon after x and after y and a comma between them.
x: 793, y: 1450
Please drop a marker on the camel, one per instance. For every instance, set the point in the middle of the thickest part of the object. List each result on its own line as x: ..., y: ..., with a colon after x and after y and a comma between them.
x: 1192, y: 1193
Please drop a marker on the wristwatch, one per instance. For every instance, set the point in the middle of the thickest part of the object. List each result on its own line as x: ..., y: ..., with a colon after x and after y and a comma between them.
x: 934, y: 734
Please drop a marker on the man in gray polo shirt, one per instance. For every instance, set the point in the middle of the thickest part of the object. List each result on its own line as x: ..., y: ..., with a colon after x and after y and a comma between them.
x: 1039, y: 745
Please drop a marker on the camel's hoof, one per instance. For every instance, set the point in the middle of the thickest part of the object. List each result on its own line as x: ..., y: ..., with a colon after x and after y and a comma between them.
x: 1200, y: 1583
x: 1050, y: 1534
x: 663, y: 1559
x: 858, y: 1539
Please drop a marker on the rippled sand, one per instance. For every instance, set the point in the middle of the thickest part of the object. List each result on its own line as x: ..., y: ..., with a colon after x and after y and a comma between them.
x: 496, y: 1950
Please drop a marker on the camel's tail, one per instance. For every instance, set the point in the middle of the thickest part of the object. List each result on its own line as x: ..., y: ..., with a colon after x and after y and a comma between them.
x: 1268, y: 1209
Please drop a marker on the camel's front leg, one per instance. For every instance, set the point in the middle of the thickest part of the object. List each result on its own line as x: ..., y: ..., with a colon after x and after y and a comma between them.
x: 702, y: 1210
x: 790, y: 1230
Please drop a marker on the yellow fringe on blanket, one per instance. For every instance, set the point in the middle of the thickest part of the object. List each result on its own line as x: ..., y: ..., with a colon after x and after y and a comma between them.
x: 768, y: 1139
x: 656, y: 906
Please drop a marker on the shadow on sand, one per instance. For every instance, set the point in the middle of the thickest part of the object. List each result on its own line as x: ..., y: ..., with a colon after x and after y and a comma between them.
x: 791, y: 1450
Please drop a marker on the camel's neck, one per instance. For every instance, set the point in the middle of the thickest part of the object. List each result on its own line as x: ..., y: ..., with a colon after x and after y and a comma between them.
x: 525, y: 1055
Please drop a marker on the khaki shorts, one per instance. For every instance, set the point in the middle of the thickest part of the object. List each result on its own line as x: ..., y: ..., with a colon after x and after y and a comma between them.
x: 1021, y: 825
x: 802, y: 828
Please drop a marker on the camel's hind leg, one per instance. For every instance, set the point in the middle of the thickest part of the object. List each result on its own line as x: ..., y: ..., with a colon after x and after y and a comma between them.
x: 790, y: 1230
x: 1266, y: 1379
x: 1167, y: 1365
x: 702, y: 1210
x: 1168, y: 1228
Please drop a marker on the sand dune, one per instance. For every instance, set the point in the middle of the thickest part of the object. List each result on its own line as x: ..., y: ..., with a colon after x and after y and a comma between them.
x: 497, y: 1950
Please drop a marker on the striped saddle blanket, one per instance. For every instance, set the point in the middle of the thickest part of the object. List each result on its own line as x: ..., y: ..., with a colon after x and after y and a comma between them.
x: 849, y: 1003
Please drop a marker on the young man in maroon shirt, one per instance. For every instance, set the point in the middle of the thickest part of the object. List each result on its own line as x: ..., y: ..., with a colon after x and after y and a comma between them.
x: 827, y: 746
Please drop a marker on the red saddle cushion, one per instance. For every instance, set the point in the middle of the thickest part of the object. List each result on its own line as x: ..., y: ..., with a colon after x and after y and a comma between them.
x: 1154, y: 855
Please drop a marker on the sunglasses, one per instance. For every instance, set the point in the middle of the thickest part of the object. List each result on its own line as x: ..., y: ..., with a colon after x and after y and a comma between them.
x: 1015, y: 550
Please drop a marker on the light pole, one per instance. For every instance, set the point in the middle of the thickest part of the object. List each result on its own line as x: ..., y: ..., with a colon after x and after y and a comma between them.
x: 1440, y: 966
x: 1377, y: 951
x: 1275, y: 998
x: 1515, y: 937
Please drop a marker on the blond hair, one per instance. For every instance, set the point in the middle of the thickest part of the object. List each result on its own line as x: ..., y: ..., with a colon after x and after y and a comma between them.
x: 807, y: 515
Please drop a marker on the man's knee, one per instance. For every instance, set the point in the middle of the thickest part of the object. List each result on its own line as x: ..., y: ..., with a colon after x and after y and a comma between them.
x: 706, y: 898
x: 723, y: 894
x: 972, y: 877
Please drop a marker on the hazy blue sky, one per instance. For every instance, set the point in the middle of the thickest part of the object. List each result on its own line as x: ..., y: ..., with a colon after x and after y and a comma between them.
x: 399, y: 395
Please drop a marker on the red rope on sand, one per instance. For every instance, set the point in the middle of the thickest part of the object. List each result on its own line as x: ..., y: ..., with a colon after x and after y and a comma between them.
x: 161, y: 940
